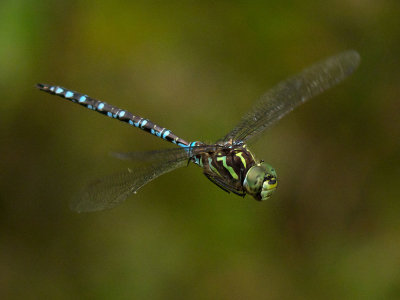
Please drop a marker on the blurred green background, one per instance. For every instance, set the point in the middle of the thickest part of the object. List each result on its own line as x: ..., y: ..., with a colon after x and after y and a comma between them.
x: 332, y: 229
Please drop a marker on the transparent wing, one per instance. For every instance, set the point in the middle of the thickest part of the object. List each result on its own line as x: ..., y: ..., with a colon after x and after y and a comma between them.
x: 290, y: 93
x: 166, y: 154
x: 154, y: 155
x: 226, y: 185
x: 111, y: 191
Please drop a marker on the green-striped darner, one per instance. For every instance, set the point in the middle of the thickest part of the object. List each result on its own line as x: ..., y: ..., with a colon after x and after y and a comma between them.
x: 228, y: 163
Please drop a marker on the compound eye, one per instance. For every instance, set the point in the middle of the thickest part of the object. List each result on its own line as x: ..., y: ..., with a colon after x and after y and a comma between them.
x: 254, y: 179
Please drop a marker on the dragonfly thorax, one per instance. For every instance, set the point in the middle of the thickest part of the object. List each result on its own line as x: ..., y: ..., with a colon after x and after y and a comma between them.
x: 233, y: 168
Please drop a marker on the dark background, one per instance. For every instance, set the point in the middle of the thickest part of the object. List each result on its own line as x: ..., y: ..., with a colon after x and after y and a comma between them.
x: 332, y: 229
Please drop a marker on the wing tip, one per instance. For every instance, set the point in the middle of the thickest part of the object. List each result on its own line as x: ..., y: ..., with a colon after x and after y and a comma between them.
x: 351, y: 58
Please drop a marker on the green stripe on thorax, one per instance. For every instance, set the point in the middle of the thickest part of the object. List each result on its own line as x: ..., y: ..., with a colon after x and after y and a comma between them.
x: 240, y: 154
x: 229, y: 168
x: 212, y: 167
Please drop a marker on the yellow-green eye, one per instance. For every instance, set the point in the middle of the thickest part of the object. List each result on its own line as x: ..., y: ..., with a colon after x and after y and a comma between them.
x: 260, y: 181
x: 254, y: 179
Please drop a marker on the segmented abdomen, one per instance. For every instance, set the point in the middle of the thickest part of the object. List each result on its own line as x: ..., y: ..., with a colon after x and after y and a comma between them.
x: 114, y: 112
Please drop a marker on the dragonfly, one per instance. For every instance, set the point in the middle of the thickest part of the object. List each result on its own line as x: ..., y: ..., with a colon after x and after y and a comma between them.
x: 228, y: 163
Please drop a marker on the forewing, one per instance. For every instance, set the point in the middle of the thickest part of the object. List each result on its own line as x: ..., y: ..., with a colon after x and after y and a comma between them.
x: 166, y: 154
x: 290, y: 93
x: 111, y: 191
x: 225, y: 185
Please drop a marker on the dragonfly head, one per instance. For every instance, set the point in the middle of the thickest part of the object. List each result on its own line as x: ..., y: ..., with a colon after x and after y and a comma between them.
x: 260, y: 181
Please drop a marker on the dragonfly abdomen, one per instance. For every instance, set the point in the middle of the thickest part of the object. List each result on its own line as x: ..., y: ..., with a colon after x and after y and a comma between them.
x: 114, y: 112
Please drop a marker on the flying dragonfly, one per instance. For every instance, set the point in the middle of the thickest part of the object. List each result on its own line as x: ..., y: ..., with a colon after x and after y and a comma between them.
x: 228, y: 163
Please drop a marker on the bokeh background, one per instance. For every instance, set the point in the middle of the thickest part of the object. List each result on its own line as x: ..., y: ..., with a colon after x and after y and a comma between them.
x: 331, y: 231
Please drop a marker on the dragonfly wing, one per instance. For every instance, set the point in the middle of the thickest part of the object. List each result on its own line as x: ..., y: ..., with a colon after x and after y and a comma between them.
x: 111, y: 191
x: 290, y: 93
x: 166, y: 154
x: 155, y: 155
x: 228, y: 185
x: 224, y: 185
